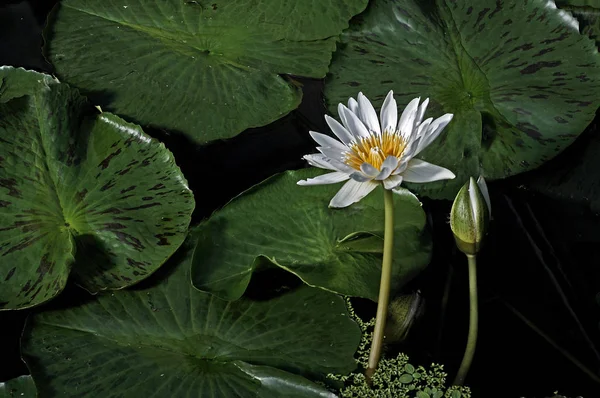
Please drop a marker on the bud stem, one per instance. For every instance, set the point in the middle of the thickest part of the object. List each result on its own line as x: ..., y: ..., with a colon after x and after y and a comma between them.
x: 472, y: 339
x: 384, y: 286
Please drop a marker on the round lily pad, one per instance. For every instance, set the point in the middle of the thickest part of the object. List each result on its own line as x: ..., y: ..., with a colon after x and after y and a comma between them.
x: 172, y: 340
x: 210, y: 69
x: 286, y: 225
x: 520, y: 79
x: 79, y: 191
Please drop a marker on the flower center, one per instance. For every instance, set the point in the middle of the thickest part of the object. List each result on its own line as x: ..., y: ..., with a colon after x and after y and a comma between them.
x: 375, y: 149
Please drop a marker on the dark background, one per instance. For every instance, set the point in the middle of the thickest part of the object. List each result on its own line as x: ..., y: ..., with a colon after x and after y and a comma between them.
x: 542, y: 255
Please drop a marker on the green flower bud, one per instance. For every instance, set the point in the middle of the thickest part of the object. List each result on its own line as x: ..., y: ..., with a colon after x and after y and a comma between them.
x: 470, y: 214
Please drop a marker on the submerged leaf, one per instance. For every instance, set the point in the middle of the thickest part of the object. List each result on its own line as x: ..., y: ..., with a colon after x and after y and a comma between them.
x: 208, y: 69
x: 172, y: 340
x: 520, y: 79
x: 292, y: 226
x: 79, y: 190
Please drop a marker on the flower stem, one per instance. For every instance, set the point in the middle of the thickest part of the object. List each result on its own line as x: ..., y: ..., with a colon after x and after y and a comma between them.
x: 472, y: 339
x: 384, y: 286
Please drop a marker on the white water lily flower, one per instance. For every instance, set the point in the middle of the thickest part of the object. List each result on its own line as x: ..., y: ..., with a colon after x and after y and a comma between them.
x: 373, y: 151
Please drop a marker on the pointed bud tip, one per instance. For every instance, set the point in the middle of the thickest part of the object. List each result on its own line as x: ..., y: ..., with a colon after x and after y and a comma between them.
x: 469, y: 217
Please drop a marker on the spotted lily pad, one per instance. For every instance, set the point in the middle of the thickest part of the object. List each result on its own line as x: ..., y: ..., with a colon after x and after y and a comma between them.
x: 79, y: 191
x: 171, y: 340
x: 21, y: 386
x: 578, y: 3
x: 587, y: 13
x: 522, y: 81
x: 280, y: 223
x: 208, y: 68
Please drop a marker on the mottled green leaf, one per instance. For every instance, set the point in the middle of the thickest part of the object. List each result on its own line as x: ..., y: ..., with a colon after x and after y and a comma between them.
x: 589, y: 23
x: 79, y: 190
x: 587, y: 13
x: 172, y: 340
x: 521, y: 80
x: 21, y: 386
x: 578, y: 3
x: 207, y: 68
x: 292, y: 226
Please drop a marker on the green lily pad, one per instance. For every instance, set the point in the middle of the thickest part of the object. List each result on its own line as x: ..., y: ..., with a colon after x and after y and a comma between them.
x: 21, y: 386
x: 590, y: 23
x: 293, y: 228
x: 173, y: 340
x: 578, y: 3
x: 520, y: 79
x: 79, y: 190
x: 210, y: 69
x: 587, y: 13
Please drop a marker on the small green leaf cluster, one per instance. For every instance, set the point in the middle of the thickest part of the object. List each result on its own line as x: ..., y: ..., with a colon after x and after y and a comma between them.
x: 395, y: 377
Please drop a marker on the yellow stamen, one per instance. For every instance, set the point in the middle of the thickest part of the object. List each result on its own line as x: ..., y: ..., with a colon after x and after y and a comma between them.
x: 375, y: 149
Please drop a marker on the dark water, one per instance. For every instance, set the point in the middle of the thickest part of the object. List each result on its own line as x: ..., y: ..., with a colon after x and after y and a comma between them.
x: 542, y: 256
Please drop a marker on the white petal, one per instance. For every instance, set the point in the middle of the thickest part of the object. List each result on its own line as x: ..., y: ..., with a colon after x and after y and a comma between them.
x: 417, y: 136
x: 369, y: 170
x: 332, y: 153
x: 353, y: 105
x: 367, y: 114
x: 355, y: 126
x: 422, y: 171
x: 421, y: 111
x: 484, y: 191
x: 327, y: 141
x: 409, y: 153
x: 339, y: 130
x: 392, y: 182
x: 423, y: 127
x: 407, y: 120
x: 433, y: 131
x: 389, y: 113
x: 383, y: 174
x: 318, y: 160
x: 473, y: 196
x: 342, y: 116
x: 352, y: 192
x: 360, y: 176
x: 329, y: 178
x: 323, y: 162
x: 389, y: 164
x: 401, y: 167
